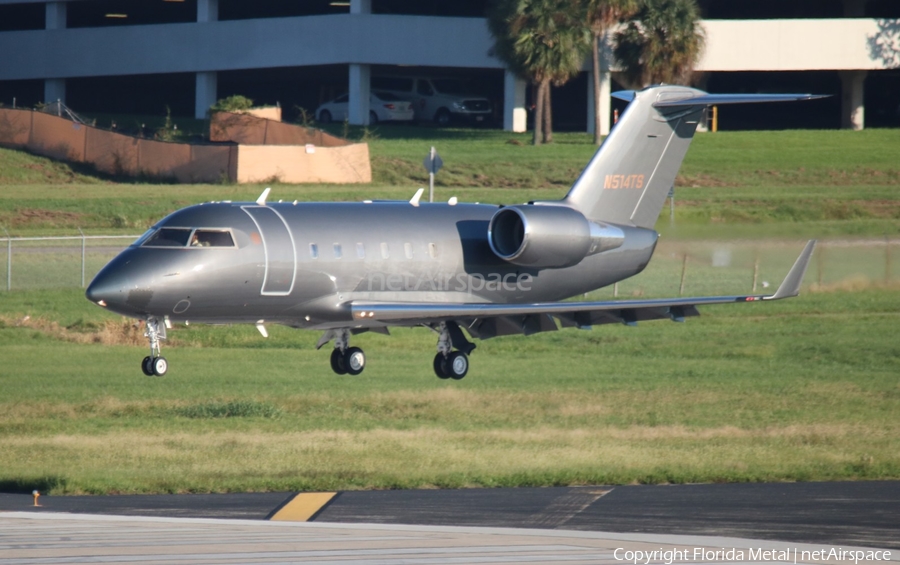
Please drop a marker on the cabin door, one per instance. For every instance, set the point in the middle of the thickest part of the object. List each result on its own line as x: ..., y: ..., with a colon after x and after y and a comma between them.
x: 279, y: 248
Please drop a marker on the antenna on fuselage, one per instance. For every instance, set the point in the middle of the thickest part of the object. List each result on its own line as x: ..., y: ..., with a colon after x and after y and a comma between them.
x: 262, y: 197
x: 415, y: 199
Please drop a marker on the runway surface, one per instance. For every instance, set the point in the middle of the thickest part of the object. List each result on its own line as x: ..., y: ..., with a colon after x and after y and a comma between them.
x: 529, y: 525
x: 40, y: 539
x: 842, y: 513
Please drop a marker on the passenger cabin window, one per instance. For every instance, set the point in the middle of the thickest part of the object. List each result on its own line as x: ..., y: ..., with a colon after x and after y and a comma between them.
x: 385, y: 253
x: 407, y: 248
x: 212, y: 238
x: 313, y: 250
x: 432, y: 250
x: 360, y: 250
x: 337, y: 250
x: 169, y: 237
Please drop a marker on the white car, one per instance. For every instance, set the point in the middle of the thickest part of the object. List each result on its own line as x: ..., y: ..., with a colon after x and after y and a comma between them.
x: 383, y: 107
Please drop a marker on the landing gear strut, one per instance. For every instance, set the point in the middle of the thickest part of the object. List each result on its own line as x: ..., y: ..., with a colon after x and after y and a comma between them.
x: 344, y: 359
x: 154, y: 364
x: 449, y: 364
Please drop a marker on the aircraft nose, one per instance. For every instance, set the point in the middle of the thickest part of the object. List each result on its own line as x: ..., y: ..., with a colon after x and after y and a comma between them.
x: 106, y: 289
x: 114, y: 285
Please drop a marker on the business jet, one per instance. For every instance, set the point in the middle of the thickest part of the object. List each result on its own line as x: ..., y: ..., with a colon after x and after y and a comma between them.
x: 462, y: 270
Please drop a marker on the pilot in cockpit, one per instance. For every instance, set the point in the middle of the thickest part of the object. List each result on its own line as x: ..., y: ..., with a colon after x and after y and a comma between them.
x: 195, y: 241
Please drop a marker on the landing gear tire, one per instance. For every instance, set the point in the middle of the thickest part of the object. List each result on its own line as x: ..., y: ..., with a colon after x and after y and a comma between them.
x: 354, y: 360
x: 337, y: 362
x: 145, y: 366
x: 159, y: 366
x: 441, y: 367
x: 457, y: 365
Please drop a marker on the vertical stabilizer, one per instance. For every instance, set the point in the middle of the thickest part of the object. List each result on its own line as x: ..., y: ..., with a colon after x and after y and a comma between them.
x: 629, y: 177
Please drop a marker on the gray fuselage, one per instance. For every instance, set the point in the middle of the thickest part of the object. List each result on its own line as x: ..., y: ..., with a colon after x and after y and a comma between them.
x: 300, y: 264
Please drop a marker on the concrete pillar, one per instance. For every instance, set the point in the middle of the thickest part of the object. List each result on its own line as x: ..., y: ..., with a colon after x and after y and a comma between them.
x: 358, y: 112
x: 54, y: 89
x: 853, y: 111
x: 55, y: 15
x: 515, y: 117
x: 360, y: 77
x: 855, y: 8
x: 605, y: 102
x: 207, y: 11
x: 360, y: 6
x: 205, y: 93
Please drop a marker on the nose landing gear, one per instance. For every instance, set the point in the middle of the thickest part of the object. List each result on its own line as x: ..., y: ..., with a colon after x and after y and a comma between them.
x: 154, y: 364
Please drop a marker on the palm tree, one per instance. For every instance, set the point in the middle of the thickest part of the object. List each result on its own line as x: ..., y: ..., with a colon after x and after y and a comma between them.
x: 543, y: 41
x: 662, y: 44
x: 601, y: 15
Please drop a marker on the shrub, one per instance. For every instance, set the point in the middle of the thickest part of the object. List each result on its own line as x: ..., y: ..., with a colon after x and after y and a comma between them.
x: 235, y: 103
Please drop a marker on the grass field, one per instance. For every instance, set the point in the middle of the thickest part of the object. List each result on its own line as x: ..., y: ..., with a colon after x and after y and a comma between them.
x: 800, y: 390
x: 803, y: 389
x: 794, y: 182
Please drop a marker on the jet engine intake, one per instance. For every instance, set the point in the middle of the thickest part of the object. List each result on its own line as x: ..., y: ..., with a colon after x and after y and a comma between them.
x: 548, y: 236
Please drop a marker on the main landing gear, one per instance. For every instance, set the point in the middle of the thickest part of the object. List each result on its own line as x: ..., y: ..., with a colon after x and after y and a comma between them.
x: 449, y: 364
x: 451, y: 361
x: 346, y: 360
x: 154, y: 364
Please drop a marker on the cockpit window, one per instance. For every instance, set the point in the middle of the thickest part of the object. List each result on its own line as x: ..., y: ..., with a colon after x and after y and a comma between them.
x: 143, y: 239
x: 212, y: 238
x: 169, y: 237
x: 186, y: 237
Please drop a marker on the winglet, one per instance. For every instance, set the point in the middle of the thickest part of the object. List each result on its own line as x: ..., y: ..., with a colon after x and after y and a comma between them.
x: 415, y: 199
x: 791, y: 284
x: 262, y: 197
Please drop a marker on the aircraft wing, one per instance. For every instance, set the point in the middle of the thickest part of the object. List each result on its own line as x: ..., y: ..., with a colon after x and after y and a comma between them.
x: 482, y: 319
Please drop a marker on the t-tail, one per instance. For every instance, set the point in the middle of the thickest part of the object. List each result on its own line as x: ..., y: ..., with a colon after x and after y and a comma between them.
x: 629, y: 178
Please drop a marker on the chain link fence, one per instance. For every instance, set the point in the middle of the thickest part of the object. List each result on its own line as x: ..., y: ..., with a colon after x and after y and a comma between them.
x: 700, y: 268
x: 694, y: 268
x: 58, y: 261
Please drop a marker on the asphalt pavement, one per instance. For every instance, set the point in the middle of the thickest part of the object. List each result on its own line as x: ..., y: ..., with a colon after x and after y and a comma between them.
x: 865, y: 514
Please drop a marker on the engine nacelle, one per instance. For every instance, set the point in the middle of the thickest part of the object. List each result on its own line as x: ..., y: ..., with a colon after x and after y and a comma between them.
x: 548, y: 236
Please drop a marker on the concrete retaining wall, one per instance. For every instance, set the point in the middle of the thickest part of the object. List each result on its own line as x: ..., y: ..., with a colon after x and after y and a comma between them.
x: 247, y: 159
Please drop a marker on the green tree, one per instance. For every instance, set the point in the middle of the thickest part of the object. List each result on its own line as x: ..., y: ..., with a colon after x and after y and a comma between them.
x: 661, y: 44
x: 543, y: 41
x: 601, y: 16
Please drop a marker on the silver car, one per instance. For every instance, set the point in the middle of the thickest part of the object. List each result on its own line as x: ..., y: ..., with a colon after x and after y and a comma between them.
x: 383, y: 107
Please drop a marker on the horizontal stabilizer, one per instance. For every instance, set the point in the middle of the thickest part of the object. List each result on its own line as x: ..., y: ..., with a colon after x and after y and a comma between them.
x: 717, y: 99
x: 626, y: 95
